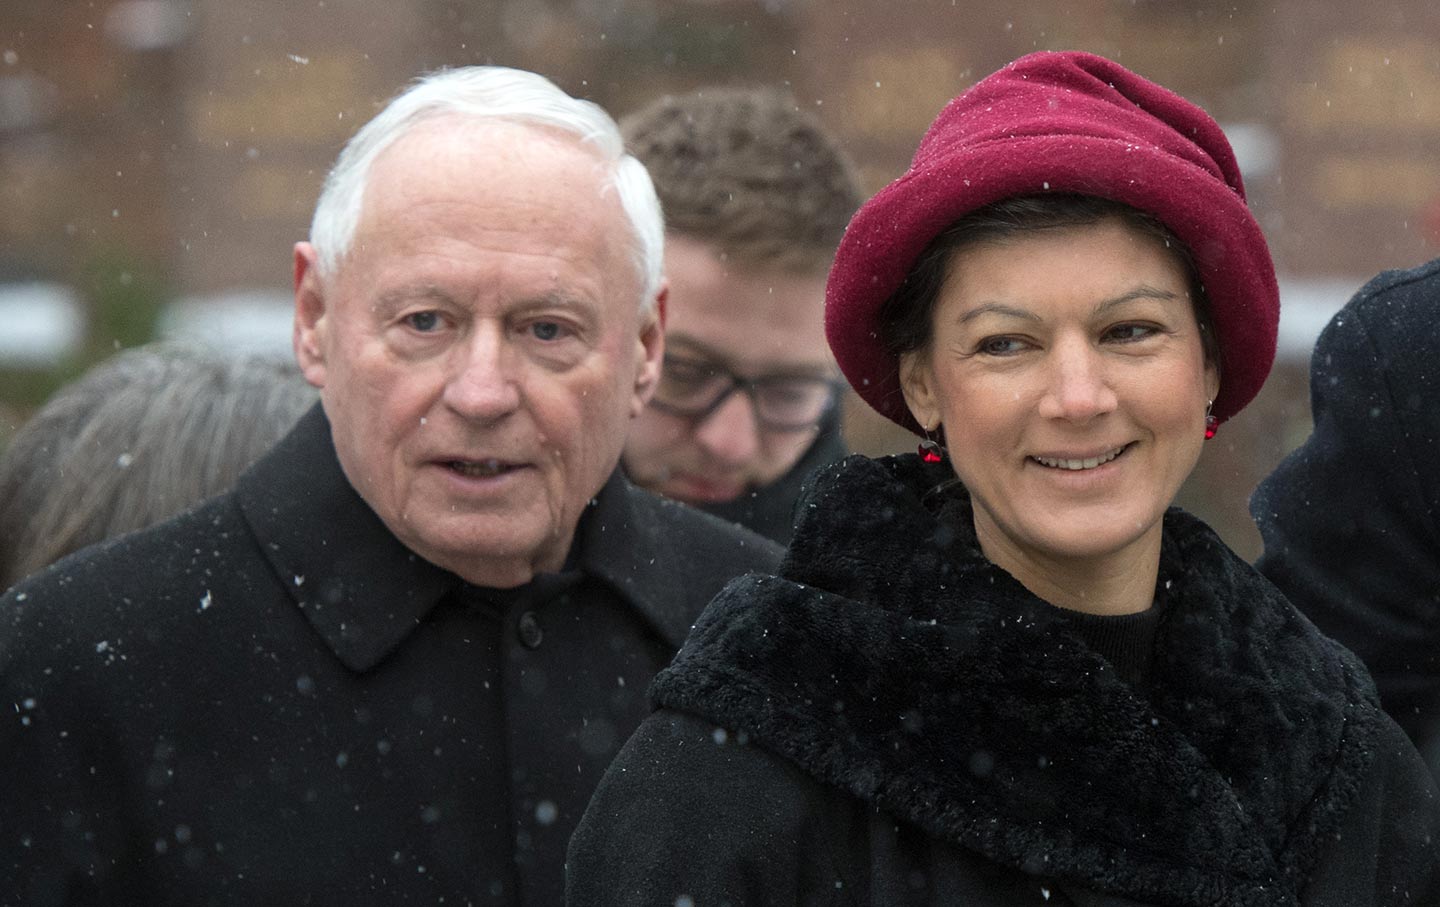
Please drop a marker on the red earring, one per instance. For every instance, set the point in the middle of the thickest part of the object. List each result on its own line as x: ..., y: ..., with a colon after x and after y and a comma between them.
x: 1211, y: 423
x: 930, y: 450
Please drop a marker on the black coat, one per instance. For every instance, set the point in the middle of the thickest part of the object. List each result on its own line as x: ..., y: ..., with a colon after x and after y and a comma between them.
x: 1351, y: 520
x: 894, y: 720
x: 269, y: 700
x: 770, y: 511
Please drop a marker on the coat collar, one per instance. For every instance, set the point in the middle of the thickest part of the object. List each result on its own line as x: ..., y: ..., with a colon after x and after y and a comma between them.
x: 364, y: 592
x: 892, y: 660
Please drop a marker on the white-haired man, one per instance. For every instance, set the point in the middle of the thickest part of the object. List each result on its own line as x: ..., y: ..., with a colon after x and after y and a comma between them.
x: 392, y: 662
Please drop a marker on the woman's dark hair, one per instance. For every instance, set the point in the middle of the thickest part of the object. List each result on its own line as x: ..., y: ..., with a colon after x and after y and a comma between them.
x: 906, y: 319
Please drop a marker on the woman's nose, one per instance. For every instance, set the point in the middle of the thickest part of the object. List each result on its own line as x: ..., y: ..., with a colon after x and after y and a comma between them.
x: 1079, y: 387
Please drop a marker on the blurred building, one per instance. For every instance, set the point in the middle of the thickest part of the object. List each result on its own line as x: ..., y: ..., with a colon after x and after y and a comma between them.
x: 165, y: 154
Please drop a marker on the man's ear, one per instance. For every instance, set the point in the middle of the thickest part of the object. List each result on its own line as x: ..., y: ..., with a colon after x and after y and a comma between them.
x: 917, y: 383
x: 649, y: 351
x: 308, y: 336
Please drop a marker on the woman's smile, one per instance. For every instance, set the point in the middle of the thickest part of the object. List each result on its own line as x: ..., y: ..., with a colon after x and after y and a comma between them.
x: 1079, y: 462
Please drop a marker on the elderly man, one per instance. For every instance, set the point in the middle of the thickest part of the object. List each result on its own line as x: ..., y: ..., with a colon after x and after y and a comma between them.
x: 756, y: 196
x: 389, y: 665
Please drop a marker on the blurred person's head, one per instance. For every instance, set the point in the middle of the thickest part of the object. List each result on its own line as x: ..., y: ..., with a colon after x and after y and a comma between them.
x: 480, y: 306
x: 137, y: 439
x: 756, y: 196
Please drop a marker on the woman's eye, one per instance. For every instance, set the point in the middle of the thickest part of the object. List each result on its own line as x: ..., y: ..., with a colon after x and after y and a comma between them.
x: 424, y: 322
x: 1129, y: 332
x: 1000, y: 346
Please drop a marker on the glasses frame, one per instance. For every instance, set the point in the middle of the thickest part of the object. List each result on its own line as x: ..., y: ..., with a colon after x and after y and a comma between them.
x: 751, y: 387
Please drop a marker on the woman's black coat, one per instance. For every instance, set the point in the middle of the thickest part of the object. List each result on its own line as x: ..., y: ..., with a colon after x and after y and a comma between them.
x: 1351, y: 520
x: 895, y: 720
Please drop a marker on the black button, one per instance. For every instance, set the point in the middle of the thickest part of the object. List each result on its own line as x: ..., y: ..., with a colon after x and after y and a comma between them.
x: 529, y: 631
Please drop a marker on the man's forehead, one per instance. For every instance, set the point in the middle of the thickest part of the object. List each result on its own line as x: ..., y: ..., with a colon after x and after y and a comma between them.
x: 488, y: 154
x: 751, y: 318
x: 494, y: 184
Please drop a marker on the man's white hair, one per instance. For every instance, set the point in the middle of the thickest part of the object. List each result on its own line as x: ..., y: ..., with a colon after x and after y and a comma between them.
x: 488, y: 93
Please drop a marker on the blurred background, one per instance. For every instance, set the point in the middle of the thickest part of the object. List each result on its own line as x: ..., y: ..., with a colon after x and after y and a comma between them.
x: 159, y: 157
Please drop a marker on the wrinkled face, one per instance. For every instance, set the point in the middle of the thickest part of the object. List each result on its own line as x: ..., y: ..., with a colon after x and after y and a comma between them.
x: 754, y: 324
x: 1066, y: 368
x: 481, y: 351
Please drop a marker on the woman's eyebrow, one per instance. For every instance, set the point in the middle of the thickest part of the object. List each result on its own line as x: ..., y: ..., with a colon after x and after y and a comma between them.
x: 996, y: 308
x: 1144, y: 291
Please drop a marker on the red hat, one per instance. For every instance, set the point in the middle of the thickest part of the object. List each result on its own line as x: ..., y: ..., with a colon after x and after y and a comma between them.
x: 1074, y: 123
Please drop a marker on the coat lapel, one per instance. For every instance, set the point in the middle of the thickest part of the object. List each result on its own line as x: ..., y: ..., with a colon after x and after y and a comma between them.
x: 361, y: 589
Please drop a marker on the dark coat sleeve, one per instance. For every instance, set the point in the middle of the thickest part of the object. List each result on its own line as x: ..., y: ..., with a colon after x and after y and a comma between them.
x: 1387, y: 853
x: 64, y: 839
x: 692, y: 814
x: 1350, y: 518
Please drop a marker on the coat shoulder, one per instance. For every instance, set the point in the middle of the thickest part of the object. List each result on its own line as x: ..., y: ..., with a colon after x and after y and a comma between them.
x: 683, y: 785
x: 145, y: 585
x: 1387, y: 850
x: 1390, y: 316
x: 702, y: 547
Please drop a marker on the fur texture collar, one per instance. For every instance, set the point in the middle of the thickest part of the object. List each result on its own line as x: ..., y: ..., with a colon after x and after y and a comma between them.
x: 890, y: 659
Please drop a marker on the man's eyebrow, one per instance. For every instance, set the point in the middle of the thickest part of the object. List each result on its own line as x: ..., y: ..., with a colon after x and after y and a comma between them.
x: 552, y: 299
x: 697, y: 347
x: 689, y: 346
x: 395, y: 298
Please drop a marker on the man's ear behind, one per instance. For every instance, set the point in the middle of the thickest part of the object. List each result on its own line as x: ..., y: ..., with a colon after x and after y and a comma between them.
x: 650, y: 351
x: 307, y: 336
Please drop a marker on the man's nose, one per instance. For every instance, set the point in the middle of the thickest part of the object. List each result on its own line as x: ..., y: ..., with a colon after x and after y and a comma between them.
x: 483, y: 381
x: 730, y: 434
x: 1079, y: 386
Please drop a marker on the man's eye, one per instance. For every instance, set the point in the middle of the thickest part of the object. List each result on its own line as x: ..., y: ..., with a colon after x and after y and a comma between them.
x: 424, y: 322
x: 546, y: 330
x: 688, y: 372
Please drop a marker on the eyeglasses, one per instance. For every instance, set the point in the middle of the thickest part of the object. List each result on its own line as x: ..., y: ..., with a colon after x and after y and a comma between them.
x: 696, y: 388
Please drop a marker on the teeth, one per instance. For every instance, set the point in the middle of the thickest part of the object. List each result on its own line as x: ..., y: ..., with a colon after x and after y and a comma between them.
x: 482, y: 469
x: 1087, y: 463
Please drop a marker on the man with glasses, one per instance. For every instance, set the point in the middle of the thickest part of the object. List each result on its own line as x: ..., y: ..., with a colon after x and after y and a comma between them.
x: 756, y: 196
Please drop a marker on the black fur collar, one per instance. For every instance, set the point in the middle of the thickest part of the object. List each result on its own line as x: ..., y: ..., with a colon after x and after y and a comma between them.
x: 891, y: 660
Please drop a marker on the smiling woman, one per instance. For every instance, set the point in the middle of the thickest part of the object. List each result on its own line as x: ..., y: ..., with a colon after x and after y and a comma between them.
x: 1065, y: 336
x: 1016, y: 674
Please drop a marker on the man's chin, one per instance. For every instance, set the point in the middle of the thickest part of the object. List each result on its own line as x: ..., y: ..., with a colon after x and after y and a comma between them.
x: 699, y: 491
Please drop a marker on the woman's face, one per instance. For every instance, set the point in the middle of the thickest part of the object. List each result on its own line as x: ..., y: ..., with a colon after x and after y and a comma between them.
x: 1066, y: 368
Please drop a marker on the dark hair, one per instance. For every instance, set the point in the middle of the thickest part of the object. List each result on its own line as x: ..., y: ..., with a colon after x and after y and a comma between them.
x: 907, y: 317
x: 749, y: 171
x: 140, y: 437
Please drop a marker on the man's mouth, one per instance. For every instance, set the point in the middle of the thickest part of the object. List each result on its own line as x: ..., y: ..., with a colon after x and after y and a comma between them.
x: 708, y: 490
x: 1080, y: 464
x: 481, y: 469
